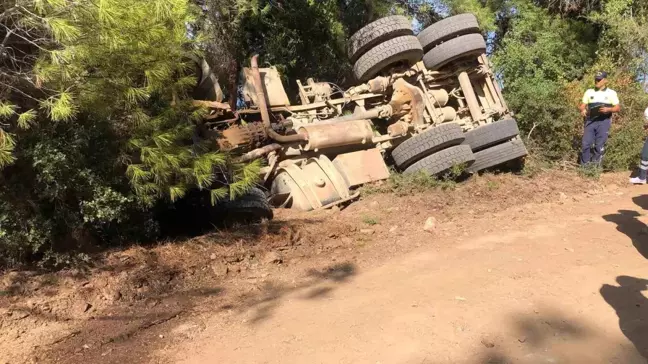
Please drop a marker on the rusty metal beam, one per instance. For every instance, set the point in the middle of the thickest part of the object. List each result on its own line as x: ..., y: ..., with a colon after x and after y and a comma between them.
x: 469, y: 95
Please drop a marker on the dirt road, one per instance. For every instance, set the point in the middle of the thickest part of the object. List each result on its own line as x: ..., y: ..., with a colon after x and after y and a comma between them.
x: 542, y: 283
x: 503, y: 269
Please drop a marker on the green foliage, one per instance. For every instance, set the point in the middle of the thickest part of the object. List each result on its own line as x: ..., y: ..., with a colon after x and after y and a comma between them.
x: 624, y: 35
x: 407, y: 184
x: 534, y: 163
x: 302, y: 38
x: 370, y: 220
x: 537, y: 57
x: 485, y: 11
x: 627, y: 134
x: 454, y: 172
x: 303, y: 49
x: 591, y: 171
x: 7, y: 145
x: 97, y: 127
x: 492, y: 185
x: 546, y: 54
x: 62, y: 194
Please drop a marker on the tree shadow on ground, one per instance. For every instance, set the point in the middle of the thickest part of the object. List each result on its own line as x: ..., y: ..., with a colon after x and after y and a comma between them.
x: 547, y: 337
x: 631, y: 306
x: 130, y: 293
x: 20, y: 282
x: 133, y: 328
x: 87, y: 333
x: 535, y: 333
x: 628, y: 223
x: 318, y: 284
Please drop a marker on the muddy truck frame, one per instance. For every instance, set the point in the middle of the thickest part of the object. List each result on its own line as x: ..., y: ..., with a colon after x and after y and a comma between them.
x: 423, y: 102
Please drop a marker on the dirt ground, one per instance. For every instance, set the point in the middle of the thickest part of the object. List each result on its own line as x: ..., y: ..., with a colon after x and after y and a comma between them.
x: 502, y: 269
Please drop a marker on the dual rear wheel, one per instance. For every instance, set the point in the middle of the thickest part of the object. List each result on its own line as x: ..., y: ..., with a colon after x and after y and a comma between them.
x: 390, y: 41
x: 382, y: 44
x: 438, y: 149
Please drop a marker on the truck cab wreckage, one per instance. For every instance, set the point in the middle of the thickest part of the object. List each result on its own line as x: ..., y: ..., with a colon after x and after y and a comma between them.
x: 422, y: 103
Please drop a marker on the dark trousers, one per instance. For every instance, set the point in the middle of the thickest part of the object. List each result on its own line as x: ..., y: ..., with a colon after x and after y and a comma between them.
x: 594, y: 137
x: 643, y: 167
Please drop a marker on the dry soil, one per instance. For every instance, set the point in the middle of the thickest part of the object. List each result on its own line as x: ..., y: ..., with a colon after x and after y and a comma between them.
x: 503, y: 269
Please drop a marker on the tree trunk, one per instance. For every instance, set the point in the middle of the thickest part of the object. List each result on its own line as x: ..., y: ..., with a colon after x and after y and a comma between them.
x: 233, y: 71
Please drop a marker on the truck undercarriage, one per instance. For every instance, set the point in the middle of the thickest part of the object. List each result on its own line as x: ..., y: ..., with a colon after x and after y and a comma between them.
x: 422, y: 103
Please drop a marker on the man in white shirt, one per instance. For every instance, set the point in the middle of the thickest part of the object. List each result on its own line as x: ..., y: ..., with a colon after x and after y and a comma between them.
x: 597, y: 107
x: 643, y: 167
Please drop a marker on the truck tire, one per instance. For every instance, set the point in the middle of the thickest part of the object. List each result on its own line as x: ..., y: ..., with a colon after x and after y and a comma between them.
x: 426, y: 143
x: 251, y: 207
x: 497, y: 155
x: 443, y: 160
x: 405, y: 48
x: 446, y: 29
x: 490, y: 134
x: 454, y: 49
x: 376, y: 32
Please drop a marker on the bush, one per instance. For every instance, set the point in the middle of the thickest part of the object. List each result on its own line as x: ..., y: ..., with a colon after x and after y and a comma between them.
x: 407, y: 184
x: 96, y: 126
x: 547, y: 61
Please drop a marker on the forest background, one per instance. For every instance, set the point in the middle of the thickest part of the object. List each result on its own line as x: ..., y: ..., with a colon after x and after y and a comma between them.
x: 96, y: 122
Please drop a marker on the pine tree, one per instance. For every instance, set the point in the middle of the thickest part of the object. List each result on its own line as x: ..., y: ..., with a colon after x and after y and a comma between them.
x: 96, y: 124
x: 130, y: 62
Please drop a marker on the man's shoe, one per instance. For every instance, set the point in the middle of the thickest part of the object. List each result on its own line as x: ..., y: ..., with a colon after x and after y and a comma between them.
x: 637, y: 181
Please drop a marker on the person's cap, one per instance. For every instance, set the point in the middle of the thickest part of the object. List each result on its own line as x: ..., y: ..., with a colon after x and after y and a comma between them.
x: 600, y: 75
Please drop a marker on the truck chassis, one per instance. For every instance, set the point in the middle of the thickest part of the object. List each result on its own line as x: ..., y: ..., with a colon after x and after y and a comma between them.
x: 422, y: 103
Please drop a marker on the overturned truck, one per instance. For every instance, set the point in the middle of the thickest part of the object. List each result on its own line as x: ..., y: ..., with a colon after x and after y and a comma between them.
x: 422, y: 103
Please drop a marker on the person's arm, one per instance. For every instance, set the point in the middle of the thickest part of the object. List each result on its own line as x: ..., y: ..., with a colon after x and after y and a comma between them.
x: 613, y: 109
x: 583, y: 105
x: 616, y: 106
